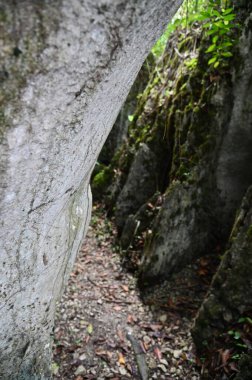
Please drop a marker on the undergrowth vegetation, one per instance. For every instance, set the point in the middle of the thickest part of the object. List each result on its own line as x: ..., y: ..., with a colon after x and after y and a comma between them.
x: 218, y: 20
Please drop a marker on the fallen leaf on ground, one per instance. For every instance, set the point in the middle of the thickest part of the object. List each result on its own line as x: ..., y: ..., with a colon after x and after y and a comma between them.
x: 158, y: 353
x: 125, y: 288
x: 90, y: 329
x: 117, y: 308
x: 225, y: 356
x: 120, y: 335
x: 121, y: 359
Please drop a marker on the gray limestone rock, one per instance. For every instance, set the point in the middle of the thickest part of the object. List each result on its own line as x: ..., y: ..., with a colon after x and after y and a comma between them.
x: 181, y: 230
x: 140, y: 185
x: 66, y: 68
x: 230, y: 294
x: 201, y: 211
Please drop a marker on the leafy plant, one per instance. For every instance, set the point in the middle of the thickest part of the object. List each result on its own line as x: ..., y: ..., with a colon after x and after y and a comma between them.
x: 191, y: 63
x: 218, y: 22
x: 220, y: 26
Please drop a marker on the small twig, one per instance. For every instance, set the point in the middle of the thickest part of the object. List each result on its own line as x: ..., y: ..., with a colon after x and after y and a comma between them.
x: 92, y: 282
x: 140, y: 356
x: 178, y: 53
x: 117, y: 301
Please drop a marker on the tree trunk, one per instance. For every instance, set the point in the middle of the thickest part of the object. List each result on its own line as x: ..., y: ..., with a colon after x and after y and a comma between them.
x: 66, y: 68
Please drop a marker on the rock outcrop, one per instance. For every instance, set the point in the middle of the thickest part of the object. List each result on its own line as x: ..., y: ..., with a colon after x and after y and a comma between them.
x: 197, y: 127
x: 66, y: 69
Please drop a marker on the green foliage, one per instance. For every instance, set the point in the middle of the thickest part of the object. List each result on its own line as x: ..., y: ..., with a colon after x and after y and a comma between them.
x: 182, y: 19
x: 218, y: 21
x: 245, y: 320
x: 192, y: 63
x: 220, y: 25
x: 159, y: 47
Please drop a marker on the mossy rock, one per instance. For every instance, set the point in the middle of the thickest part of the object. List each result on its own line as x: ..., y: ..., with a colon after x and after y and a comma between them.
x: 245, y: 368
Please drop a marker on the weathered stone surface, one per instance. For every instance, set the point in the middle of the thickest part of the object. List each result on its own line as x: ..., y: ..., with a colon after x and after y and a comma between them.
x: 234, y: 166
x: 137, y: 223
x: 181, y: 230
x: 66, y: 68
x: 245, y: 368
x: 230, y: 294
x: 118, y: 134
x: 200, y: 212
x: 140, y: 185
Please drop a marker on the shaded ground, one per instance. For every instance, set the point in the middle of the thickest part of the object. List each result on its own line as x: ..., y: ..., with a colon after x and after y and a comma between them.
x: 102, y: 304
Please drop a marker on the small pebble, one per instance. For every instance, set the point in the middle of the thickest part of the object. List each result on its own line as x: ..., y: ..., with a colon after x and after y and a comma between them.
x: 80, y: 370
x: 163, y: 318
x: 172, y: 369
x: 176, y: 354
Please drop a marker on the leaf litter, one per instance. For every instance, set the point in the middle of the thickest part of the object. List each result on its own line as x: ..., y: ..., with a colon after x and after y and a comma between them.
x: 102, y: 305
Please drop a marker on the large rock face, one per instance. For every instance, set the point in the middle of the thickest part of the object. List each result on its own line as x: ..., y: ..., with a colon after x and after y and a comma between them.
x: 66, y: 70
x: 190, y: 139
x: 198, y: 212
x: 230, y: 295
x: 140, y: 185
x: 234, y: 167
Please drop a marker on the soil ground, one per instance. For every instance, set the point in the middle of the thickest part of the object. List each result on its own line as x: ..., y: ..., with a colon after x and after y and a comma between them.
x: 105, y: 326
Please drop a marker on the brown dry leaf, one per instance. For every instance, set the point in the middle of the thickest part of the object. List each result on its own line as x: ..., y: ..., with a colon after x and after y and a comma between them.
x: 130, y: 319
x: 79, y: 378
x: 170, y: 303
x: 202, y: 272
x: 120, y: 335
x: 155, y: 327
x: 158, y: 353
x: 117, y: 308
x: 145, y: 346
x: 204, y: 261
x: 233, y: 367
x: 105, y: 355
x: 100, y: 352
x: 184, y: 356
x: 125, y: 288
x: 121, y: 359
x: 225, y: 356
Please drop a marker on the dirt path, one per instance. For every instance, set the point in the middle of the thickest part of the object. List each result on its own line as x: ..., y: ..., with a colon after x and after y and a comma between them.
x: 102, y: 304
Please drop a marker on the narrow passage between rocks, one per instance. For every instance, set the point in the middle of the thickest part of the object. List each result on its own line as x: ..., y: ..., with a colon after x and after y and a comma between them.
x: 102, y: 304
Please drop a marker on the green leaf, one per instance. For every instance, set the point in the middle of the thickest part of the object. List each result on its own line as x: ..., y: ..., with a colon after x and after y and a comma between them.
x: 227, y: 44
x: 211, y: 48
x: 227, y: 54
x: 242, y: 320
x: 231, y: 332
x: 229, y: 17
x: 249, y: 320
x: 241, y: 345
x: 212, y: 60
x: 216, y: 13
x: 237, y: 335
x: 245, y: 319
x: 215, y: 39
x: 90, y: 329
x: 207, y: 25
x: 130, y: 118
x: 54, y: 368
x: 209, y: 32
x: 236, y: 357
x: 227, y: 11
x: 216, y: 64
